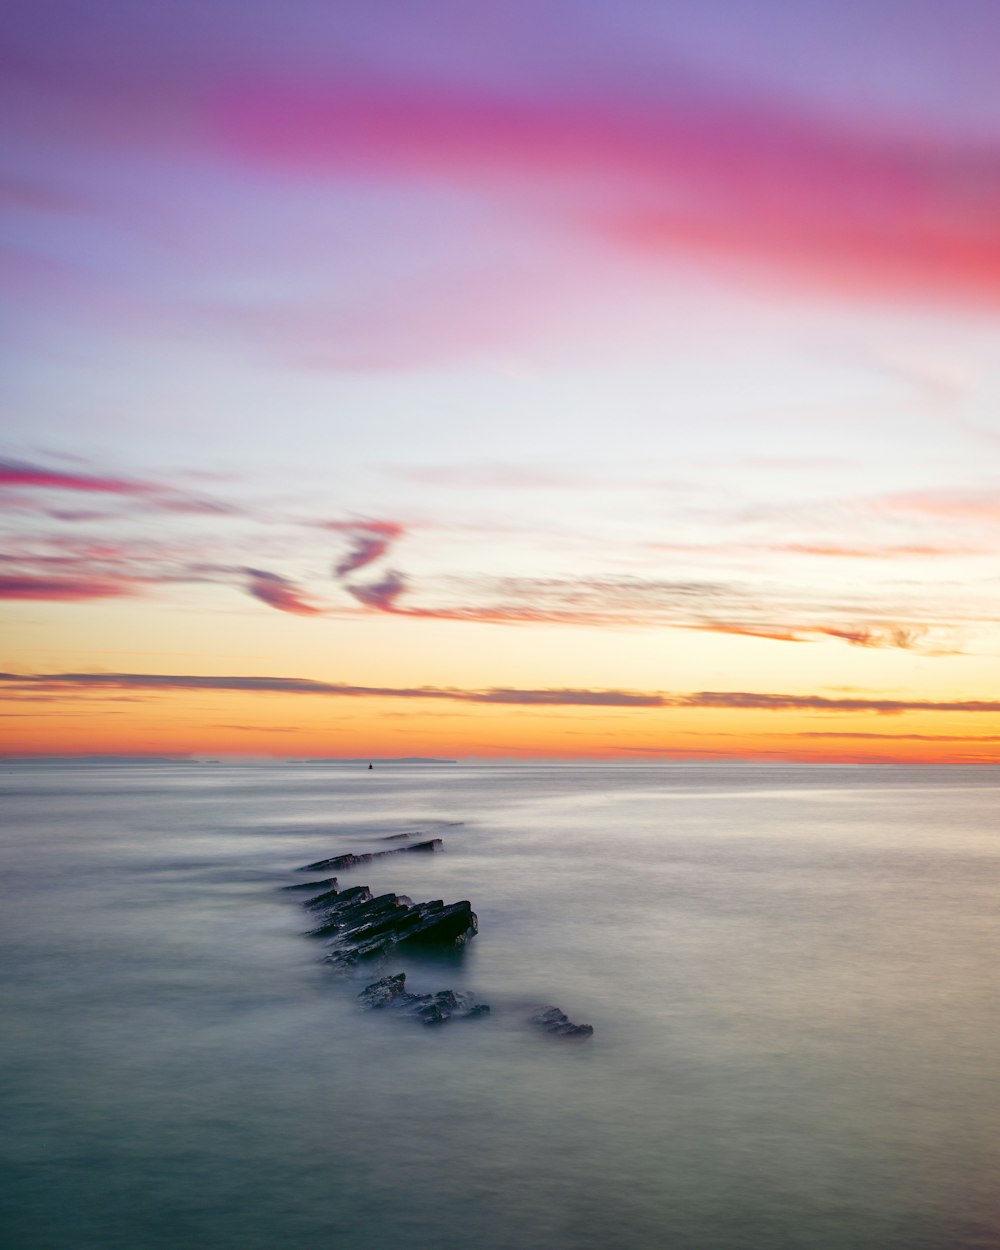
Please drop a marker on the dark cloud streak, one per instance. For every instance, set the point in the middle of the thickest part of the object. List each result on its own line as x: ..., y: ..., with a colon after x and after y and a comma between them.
x: 62, y: 589
x: 57, y: 683
x: 278, y: 592
x: 370, y: 540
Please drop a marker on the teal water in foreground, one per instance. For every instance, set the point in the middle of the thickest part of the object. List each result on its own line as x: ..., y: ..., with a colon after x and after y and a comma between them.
x: 792, y: 974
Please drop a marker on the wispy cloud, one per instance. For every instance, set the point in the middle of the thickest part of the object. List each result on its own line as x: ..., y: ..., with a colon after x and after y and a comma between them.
x: 899, y: 636
x: 706, y: 607
x: 63, y: 589
x: 381, y: 595
x: 370, y: 540
x: 17, y: 476
x: 900, y: 737
x: 74, y: 568
x: 63, y: 682
x: 100, y: 558
x: 821, y: 703
x: 874, y: 551
x: 278, y: 592
x: 957, y: 505
x: 687, y: 168
x: 20, y: 473
x: 522, y: 600
x: 506, y: 477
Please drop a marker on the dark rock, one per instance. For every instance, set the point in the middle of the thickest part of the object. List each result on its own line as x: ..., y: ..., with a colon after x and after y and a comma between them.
x: 447, y: 1005
x: 391, y: 919
x: 333, y: 899
x: 362, y: 928
x: 552, y: 1020
x: 429, y: 1009
x: 381, y: 993
x: 339, y: 863
x: 437, y: 925
x: 480, y: 1009
x: 371, y: 923
x: 330, y: 883
x: 360, y: 913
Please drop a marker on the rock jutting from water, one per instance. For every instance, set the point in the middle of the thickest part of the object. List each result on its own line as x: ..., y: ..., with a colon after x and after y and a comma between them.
x: 363, y: 928
x: 341, y: 862
x: 552, y: 1020
x: 429, y: 1009
x: 329, y: 883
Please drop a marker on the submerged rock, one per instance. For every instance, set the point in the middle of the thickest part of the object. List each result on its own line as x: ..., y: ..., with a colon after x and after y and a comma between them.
x: 552, y: 1020
x: 381, y: 993
x: 428, y: 1009
x: 339, y: 863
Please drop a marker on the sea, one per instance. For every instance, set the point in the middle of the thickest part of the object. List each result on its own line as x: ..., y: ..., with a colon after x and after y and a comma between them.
x: 792, y: 973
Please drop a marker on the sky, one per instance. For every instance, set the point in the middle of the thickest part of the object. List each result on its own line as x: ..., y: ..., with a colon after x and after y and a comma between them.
x: 565, y: 379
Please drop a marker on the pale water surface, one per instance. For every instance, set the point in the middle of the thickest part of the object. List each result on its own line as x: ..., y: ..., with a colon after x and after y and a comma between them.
x: 792, y: 975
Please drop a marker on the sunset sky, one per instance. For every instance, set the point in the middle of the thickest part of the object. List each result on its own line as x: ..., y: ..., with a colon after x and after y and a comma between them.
x: 573, y: 379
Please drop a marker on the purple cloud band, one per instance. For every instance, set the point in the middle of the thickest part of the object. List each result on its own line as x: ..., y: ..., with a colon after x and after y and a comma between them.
x: 66, y: 683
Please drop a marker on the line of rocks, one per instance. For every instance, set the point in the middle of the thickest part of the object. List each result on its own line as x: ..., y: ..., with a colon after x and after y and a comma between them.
x: 340, y: 862
x: 391, y: 992
x: 361, y: 928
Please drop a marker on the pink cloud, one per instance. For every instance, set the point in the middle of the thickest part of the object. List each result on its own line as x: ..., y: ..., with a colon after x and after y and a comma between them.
x: 369, y: 540
x: 972, y: 505
x: 278, y: 592
x: 774, y: 632
x: 63, y: 589
x: 885, y: 552
x: 706, y: 607
x: 381, y: 595
x: 18, y: 475
x: 726, y: 177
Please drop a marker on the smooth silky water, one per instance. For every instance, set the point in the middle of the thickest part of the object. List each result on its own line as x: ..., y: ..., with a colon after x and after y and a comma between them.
x: 791, y: 972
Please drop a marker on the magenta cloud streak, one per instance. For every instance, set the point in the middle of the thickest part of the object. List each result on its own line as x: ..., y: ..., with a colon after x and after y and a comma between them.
x: 370, y: 540
x: 687, y: 169
x: 18, y: 475
x: 63, y: 589
x: 278, y: 592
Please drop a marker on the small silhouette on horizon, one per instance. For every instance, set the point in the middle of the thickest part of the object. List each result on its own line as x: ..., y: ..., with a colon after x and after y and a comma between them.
x: 371, y: 766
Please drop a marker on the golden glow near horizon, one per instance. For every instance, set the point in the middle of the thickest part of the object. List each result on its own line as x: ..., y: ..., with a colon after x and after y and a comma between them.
x: 387, y: 413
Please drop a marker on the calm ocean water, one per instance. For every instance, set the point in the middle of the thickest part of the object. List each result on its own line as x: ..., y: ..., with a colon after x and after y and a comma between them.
x: 792, y: 974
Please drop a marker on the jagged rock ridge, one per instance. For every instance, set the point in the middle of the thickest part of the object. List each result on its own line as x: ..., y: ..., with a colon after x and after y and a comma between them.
x: 341, y: 862
x: 362, y: 927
